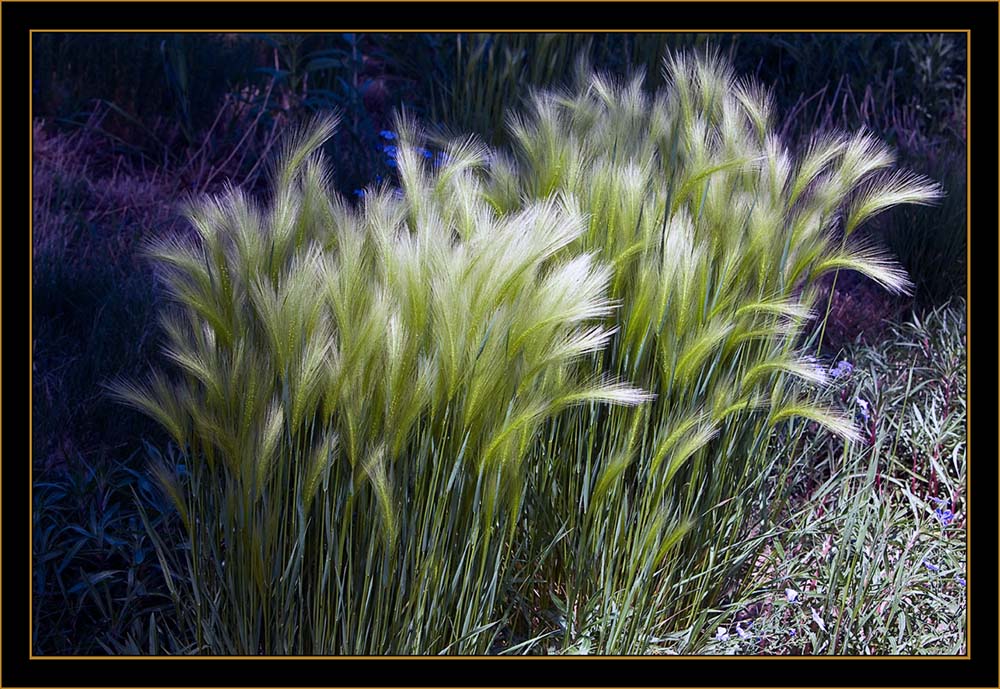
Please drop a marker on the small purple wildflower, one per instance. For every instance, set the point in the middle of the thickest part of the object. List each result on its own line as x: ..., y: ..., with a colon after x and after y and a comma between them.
x: 862, y: 408
x: 386, y: 134
x: 843, y: 368
x: 959, y: 580
x: 932, y: 567
x: 792, y: 595
x: 721, y: 634
x: 945, y: 516
x: 743, y: 633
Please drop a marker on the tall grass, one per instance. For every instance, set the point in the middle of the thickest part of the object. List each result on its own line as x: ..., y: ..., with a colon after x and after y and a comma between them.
x: 641, y: 518
x: 357, y: 395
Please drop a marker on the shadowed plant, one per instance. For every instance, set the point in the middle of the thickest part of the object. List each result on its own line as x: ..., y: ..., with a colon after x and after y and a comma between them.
x: 641, y: 518
x: 356, y: 396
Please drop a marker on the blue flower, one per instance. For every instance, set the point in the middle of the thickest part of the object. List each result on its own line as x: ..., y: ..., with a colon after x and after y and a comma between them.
x: 386, y: 134
x: 389, y: 149
x: 391, y: 162
x: 359, y: 192
x: 862, y: 408
x: 945, y: 516
x: 425, y: 153
x: 959, y: 580
x: 931, y: 567
x: 743, y: 634
x: 721, y: 634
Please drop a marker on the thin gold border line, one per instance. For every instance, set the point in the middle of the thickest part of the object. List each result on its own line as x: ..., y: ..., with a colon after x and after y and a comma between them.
x: 968, y: 116
x: 968, y: 340
x: 519, y: 31
x: 508, y: 657
x: 31, y: 355
x: 509, y: 2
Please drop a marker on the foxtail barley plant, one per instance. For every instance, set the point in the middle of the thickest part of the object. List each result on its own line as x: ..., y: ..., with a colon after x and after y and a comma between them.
x: 717, y: 235
x: 356, y: 395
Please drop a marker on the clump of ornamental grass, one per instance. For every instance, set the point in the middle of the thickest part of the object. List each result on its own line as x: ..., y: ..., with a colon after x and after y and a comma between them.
x: 356, y: 396
x: 717, y: 234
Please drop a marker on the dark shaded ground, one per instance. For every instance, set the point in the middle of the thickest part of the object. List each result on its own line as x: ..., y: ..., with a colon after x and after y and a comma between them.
x: 861, y: 311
